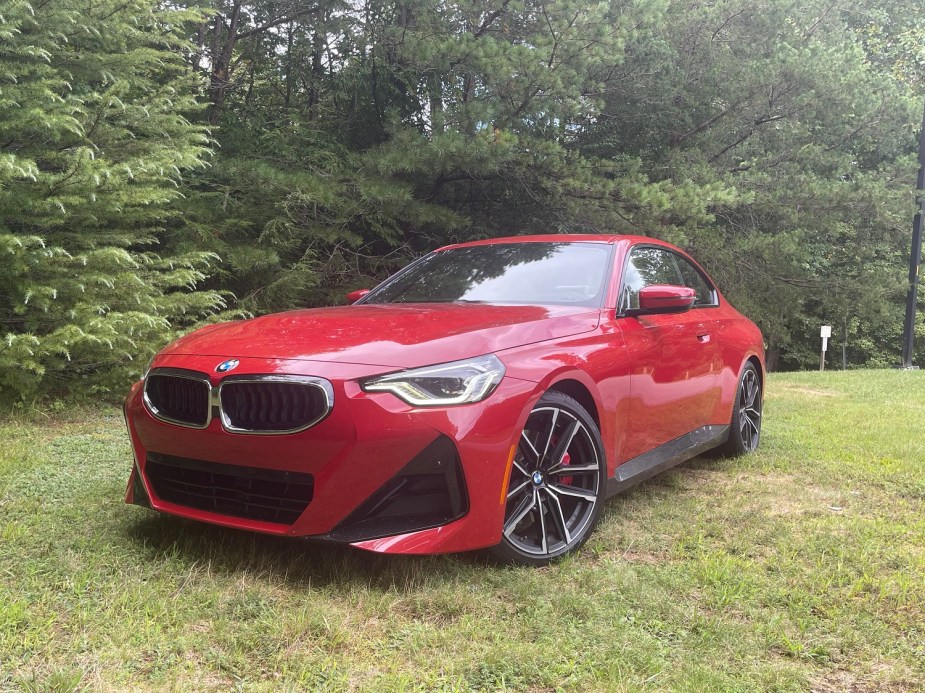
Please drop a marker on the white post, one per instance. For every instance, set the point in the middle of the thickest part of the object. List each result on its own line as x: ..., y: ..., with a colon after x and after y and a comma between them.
x: 825, y: 333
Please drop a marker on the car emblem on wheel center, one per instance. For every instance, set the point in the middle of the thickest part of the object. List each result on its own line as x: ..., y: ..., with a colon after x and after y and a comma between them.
x: 226, y: 366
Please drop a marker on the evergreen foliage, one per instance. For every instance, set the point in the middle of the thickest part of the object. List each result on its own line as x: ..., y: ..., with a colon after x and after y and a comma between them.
x: 783, y: 104
x: 95, y: 109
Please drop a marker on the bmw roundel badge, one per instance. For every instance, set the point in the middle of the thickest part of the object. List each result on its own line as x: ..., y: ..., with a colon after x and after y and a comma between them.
x: 226, y: 366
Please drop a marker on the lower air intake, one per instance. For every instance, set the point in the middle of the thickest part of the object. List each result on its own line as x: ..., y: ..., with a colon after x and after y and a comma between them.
x: 268, y: 495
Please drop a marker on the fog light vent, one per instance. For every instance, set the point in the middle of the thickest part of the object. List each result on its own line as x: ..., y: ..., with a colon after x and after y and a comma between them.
x: 428, y: 492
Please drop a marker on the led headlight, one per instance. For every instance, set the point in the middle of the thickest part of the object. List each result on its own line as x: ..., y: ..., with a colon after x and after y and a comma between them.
x: 458, y: 382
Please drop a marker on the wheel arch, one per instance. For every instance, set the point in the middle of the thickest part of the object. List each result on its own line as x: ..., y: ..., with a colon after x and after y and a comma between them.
x: 580, y: 386
x: 579, y: 392
x: 756, y: 362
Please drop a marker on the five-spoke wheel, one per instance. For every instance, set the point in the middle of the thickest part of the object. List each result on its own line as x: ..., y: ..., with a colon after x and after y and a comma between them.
x: 556, y: 483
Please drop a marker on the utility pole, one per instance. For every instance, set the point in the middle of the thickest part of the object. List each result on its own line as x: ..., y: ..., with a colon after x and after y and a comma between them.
x: 915, y: 258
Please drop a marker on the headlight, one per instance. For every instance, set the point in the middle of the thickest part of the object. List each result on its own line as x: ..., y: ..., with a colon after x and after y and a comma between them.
x: 459, y: 382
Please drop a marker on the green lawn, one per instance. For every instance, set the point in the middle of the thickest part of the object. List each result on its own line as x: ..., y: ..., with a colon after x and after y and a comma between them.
x: 799, y: 567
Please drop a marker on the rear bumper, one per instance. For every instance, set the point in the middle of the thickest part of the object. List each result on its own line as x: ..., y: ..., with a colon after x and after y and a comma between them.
x: 360, y: 460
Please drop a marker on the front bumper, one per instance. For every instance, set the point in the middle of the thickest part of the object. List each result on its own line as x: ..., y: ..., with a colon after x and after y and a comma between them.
x: 370, y: 444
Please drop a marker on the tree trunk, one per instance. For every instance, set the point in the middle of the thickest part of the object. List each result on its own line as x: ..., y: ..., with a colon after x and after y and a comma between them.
x: 771, y: 358
x: 223, y: 43
x: 289, y: 58
x: 314, y: 91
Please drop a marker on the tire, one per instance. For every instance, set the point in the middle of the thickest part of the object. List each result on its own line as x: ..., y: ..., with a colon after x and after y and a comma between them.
x: 556, y: 488
x: 745, y: 429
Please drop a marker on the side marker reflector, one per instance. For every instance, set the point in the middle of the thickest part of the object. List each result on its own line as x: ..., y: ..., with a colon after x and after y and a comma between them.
x: 507, y: 474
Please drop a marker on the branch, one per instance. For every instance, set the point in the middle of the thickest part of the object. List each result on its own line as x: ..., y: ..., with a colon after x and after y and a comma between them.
x: 490, y: 19
x: 758, y: 122
x: 725, y: 24
x: 680, y: 139
x: 275, y: 22
x: 445, y: 178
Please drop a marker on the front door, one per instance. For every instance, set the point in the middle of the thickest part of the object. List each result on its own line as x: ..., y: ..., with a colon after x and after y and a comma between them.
x: 674, y: 380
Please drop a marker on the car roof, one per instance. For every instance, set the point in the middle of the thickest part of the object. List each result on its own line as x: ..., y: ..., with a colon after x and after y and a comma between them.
x: 609, y: 239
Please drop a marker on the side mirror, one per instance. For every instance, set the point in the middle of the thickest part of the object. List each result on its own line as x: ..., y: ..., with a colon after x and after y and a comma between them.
x: 355, y: 296
x: 664, y: 298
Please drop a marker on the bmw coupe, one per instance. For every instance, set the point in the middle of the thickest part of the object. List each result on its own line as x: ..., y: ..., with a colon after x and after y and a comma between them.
x: 490, y: 395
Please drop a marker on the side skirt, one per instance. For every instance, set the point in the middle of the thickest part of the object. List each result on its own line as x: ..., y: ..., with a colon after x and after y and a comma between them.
x: 665, y: 457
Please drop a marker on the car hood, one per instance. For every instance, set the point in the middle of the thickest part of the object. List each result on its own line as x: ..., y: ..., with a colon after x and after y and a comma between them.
x: 396, y: 335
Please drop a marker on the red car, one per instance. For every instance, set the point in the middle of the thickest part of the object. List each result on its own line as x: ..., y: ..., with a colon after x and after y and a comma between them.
x: 490, y: 394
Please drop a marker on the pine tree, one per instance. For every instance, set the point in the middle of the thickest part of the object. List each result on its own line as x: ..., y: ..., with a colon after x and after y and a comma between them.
x: 95, y: 135
x: 783, y: 104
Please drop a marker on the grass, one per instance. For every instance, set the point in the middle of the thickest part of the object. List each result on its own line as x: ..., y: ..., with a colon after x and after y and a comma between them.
x: 800, y: 567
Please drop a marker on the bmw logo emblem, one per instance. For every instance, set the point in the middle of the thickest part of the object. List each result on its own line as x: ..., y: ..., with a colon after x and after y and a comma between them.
x: 537, y: 478
x: 226, y: 366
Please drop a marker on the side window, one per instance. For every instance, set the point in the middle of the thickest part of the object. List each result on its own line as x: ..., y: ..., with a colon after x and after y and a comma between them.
x: 693, y: 278
x: 646, y: 266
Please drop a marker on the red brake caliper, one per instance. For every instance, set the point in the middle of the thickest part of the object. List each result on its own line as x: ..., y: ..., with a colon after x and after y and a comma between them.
x: 566, y: 461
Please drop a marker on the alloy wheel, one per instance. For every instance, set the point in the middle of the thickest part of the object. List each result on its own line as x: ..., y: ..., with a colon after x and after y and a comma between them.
x: 749, y: 403
x: 555, y: 484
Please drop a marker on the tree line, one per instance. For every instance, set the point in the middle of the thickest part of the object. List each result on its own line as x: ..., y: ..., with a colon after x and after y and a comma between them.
x: 169, y: 163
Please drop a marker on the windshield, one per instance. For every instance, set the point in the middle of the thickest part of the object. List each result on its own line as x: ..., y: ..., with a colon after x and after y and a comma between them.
x: 527, y: 273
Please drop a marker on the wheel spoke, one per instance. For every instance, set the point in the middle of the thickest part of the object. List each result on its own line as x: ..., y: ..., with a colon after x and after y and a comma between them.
x: 529, y: 450
x: 576, y: 469
x: 520, y: 468
x: 573, y: 491
x: 548, y: 436
x: 544, y: 543
x: 525, y: 506
x: 562, y: 445
x: 517, y: 490
x: 558, y: 517
x: 751, y: 390
x: 748, y: 431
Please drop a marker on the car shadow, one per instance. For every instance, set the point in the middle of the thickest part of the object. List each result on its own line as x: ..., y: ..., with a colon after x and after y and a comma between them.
x: 296, y: 562
x: 662, y: 486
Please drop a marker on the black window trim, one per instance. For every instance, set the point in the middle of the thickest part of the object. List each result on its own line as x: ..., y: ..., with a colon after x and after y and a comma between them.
x: 388, y: 281
x: 621, y: 311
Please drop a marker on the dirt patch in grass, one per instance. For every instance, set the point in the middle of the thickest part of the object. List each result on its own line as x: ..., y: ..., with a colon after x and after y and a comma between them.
x: 642, y: 557
x: 786, y: 494
x: 778, y: 494
x: 699, y: 476
x: 841, y: 681
x: 810, y: 391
